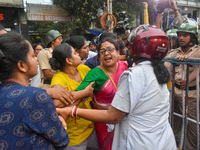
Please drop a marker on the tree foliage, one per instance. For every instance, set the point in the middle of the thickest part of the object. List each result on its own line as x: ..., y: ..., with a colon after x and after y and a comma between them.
x: 85, y: 11
x: 38, y: 29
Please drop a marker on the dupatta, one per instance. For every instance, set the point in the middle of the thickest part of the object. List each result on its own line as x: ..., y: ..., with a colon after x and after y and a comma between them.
x: 105, y: 95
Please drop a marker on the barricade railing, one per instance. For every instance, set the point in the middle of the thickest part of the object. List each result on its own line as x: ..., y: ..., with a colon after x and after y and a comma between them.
x: 195, y: 62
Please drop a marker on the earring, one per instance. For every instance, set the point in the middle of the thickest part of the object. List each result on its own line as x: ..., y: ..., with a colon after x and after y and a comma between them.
x: 24, y: 70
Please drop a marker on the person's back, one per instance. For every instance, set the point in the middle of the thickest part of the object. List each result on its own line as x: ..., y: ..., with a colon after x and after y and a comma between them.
x: 27, y: 119
x: 143, y: 92
x: 150, y: 119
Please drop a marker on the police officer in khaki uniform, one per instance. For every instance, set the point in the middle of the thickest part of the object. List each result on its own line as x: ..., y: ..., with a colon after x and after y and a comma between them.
x: 52, y: 39
x: 188, y: 40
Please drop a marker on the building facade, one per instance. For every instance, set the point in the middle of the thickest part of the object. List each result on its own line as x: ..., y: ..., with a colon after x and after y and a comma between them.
x: 12, y: 16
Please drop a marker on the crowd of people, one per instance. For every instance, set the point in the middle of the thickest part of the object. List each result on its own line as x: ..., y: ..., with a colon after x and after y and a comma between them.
x: 108, y: 94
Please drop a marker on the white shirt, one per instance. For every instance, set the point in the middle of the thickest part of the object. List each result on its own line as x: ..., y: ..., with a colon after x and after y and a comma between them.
x: 35, y: 81
x: 146, y: 102
x: 91, y: 54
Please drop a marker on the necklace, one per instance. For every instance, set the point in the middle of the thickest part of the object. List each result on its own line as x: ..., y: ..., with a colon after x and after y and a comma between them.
x: 106, y: 72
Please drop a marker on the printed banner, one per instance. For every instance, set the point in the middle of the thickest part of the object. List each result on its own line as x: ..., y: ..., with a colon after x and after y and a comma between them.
x: 38, y: 12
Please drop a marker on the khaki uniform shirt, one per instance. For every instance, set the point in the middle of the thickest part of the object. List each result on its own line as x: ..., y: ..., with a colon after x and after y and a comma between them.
x: 178, y: 68
x: 43, y: 59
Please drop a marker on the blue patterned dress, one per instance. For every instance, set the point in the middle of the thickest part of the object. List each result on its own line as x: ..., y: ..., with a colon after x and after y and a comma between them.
x: 28, y: 120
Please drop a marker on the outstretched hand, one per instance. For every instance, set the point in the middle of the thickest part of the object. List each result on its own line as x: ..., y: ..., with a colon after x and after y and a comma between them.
x: 60, y: 93
x: 64, y: 112
x: 89, y: 89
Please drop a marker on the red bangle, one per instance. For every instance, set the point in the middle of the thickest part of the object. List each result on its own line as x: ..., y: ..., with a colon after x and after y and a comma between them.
x: 77, y: 112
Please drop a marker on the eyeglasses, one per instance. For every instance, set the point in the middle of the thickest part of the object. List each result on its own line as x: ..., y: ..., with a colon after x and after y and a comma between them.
x: 109, y: 50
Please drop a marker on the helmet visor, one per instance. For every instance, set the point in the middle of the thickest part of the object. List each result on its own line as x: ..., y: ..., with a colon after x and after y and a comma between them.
x: 177, y: 21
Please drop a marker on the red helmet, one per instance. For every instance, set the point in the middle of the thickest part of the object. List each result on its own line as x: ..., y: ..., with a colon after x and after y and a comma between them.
x: 149, y: 42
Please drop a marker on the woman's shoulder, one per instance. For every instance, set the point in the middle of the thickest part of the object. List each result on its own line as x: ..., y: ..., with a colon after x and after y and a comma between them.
x: 44, y: 52
x: 141, y: 68
x: 36, y: 90
x: 12, y: 86
x: 38, y: 95
x: 83, y: 67
x: 19, y: 92
x: 96, y: 70
x: 123, y: 63
x: 95, y: 73
x: 59, y: 73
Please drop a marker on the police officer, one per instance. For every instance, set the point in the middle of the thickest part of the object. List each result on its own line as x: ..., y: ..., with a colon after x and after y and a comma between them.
x: 171, y: 33
x: 188, y: 40
x: 52, y: 39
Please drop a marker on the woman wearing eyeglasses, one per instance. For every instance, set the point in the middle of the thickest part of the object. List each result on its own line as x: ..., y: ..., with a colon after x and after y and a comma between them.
x: 106, y: 78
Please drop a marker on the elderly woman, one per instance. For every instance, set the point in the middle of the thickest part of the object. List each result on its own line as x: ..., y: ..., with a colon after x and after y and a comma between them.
x: 106, y: 77
x: 28, y: 117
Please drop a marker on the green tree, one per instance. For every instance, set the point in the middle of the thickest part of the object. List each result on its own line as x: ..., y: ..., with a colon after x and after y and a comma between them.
x: 38, y: 29
x: 85, y: 11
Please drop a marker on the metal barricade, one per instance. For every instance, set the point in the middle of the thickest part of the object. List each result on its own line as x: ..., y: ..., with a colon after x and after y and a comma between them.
x: 188, y: 62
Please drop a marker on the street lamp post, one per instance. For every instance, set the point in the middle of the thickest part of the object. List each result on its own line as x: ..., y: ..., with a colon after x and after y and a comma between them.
x: 109, y: 8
